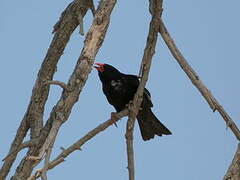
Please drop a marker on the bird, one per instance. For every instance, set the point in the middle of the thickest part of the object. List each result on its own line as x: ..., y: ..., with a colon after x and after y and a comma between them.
x: 119, y: 89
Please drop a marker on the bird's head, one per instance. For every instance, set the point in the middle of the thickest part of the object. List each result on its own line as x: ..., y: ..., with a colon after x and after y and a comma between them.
x: 99, y: 67
x: 107, y: 72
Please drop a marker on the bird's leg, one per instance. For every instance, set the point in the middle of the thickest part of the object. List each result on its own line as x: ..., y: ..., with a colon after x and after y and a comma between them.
x: 114, y: 118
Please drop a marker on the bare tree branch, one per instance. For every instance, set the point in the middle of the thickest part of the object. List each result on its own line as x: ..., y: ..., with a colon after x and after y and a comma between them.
x: 22, y: 146
x: 63, y: 30
x: 155, y: 7
x: 14, y: 149
x: 72, y: 12
x: 78, y: 144
x: 34, y: 114
x: 59, y: 83
x: 62, y: 109
x: 56, y: 124
x: 46, y: 162
x: 43, y: 137
x: 80, y: 20
x: 233, y: 172
x: 194, y: 77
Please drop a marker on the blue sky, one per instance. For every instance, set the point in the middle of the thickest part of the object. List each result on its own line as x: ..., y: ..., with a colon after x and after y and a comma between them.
x: 207, y: 33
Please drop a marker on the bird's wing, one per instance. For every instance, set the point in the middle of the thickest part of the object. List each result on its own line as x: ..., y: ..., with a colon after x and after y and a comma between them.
x: 134, y: 83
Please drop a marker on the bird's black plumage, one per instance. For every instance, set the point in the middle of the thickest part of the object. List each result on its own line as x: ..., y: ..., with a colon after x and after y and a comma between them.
x: 119, y: 89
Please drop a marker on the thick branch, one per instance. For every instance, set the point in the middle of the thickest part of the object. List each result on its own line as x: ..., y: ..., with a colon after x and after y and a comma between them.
x: 155, y: 10
x: 72, y: 12
x: 233, y: 172
x: 62, y: 109
x: 193, y: 76
x: 77, y: 145
x: 34, y: 115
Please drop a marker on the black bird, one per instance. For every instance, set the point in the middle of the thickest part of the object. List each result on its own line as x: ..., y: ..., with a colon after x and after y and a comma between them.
x: 119, y: 89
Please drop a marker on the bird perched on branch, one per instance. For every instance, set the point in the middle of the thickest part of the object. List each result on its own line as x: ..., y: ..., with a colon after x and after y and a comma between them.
x: 120, y: 89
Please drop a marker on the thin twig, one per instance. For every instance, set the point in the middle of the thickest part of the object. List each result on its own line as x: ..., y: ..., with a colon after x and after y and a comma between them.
x: 59, y: 83
x: 194, y: 77
x: 80, y: 20
x: 77, y: 145
x: 155, y: 10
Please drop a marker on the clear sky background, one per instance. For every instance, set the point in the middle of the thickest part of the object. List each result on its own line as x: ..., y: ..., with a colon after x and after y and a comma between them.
x: 207, y: 33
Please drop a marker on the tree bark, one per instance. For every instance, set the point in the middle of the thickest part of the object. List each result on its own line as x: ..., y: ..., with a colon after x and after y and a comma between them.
x: 33, y: 117
x: 155, y: 8
x: 60, y: 113
x: 233, y: 172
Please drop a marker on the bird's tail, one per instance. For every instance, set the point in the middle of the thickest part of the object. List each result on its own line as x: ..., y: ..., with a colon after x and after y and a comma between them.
x: 150, y: 125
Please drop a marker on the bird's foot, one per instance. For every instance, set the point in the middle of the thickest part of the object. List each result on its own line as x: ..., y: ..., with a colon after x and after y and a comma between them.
x: 114, y: 118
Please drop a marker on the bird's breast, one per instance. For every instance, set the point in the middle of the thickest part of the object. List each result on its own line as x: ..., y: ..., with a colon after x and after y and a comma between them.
x: 118, y: 94
x: 116, y: 85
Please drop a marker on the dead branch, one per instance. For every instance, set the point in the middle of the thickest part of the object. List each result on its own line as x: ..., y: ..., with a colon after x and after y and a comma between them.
x: 155, y: 7
x: 21, y: 133
x: 59, y: 83
x: 62, y: 109
x: 46, y: 162
x: 34, y: 115
x: 77, y: 8
x: 233, y: 172
x: 32, y: 177
x: 94, y: 39
x: 194, y: 77
x: 49, y: 141
x: 78, y: 144
x: 80, y: 20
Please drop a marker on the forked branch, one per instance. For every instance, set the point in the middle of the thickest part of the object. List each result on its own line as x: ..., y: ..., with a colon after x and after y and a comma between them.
x: 33, y: 117
x: 77, y: 80
x: 22, y: 146
x: 78, y: 144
